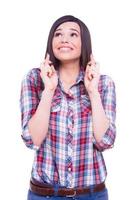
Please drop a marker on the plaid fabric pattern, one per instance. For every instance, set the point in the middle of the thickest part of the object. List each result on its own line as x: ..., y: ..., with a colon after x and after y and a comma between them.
x: 69, y: 155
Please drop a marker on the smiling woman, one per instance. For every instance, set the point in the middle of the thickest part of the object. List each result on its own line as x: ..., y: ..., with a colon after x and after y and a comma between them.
x: 68, y: 117
x: 66, y: 42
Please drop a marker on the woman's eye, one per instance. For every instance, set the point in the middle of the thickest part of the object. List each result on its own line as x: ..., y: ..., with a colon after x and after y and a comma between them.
x: 74, y: 35
x: 57, y: 34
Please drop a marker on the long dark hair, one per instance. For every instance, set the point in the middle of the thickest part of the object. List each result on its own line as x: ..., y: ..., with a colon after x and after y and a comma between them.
x: 86, y: 48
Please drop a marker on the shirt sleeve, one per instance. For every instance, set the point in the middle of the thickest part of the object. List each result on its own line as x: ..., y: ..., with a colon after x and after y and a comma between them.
x: 109, y: 105
x: 28, y: 103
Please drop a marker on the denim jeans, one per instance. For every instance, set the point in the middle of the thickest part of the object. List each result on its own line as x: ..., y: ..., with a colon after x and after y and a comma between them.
x: 103, y: 195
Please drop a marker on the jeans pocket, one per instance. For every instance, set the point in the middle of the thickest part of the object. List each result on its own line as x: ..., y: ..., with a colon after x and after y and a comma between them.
x: 33, y: 196
x: 103, y: 195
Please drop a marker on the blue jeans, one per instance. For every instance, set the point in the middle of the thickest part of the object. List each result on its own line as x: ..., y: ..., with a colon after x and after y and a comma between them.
x: 103, y: 195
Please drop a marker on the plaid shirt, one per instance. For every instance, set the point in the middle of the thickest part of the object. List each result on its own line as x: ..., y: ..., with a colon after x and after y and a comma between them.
x: 69, y: 155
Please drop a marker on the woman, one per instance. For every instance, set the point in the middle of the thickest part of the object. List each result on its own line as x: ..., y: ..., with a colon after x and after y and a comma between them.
x: 68, y: 117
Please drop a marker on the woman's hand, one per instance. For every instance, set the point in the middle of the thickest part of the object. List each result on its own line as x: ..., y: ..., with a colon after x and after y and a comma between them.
x: 48, y: 74
x: 92, y: 76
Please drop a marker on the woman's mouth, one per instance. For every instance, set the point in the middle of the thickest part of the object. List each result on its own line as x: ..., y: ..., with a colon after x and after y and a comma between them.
x: 65, y: 48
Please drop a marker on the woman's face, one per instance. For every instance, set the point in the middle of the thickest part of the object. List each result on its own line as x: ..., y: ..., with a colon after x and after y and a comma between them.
x: 66, y: 43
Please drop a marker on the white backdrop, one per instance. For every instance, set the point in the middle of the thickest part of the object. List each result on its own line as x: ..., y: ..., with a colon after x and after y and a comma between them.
x: 24, y: 27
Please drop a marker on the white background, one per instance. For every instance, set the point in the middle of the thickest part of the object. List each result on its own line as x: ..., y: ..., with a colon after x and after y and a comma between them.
x: 24, y: 27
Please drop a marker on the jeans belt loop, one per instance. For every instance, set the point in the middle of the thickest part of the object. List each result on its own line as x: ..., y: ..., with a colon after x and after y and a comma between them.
x: 92, y: 190
x: 56, y: 188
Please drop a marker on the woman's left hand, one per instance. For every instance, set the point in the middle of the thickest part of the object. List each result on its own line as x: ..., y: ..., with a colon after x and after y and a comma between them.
x: 92, y: 76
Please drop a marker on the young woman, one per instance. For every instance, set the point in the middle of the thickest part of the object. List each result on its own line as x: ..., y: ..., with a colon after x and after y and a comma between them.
x: 68, y: 117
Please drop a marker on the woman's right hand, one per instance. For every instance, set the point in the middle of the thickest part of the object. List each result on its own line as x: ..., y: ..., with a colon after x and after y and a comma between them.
x: 48, y: 74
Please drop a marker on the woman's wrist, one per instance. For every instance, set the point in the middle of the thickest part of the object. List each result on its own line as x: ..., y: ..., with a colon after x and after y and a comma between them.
x: 93, y: 94
x: 48, y: 92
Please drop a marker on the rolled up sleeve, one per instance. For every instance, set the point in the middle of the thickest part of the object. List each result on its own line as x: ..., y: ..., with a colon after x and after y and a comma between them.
x: 28, y: 103
x: 109, y: 105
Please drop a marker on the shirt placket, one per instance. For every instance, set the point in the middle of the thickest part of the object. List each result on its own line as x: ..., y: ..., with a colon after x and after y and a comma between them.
x: 69, y: 165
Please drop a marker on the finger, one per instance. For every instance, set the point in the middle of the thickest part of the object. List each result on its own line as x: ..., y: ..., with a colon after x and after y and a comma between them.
x: 47, y: 59
x: 42, y: 66
x: 45, y: 69
x: 45, y: 65
x: 50, y: 62
x: 53, y: 69
x: 87, y: 67
x: 89, y: 75
x: 90, y: 68
x: 95, y: 74
x: 97, y: 66
x: 49, y: 73
x: 92, y: 58
x: 90, y: 65
x: 95, y: 69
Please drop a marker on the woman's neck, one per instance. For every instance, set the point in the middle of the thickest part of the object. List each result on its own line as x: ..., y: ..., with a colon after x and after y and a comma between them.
x: 69, y: 72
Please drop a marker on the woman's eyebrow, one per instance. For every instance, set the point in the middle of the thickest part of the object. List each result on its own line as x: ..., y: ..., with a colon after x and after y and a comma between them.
x: 72, y: 29
x: 59, y: 29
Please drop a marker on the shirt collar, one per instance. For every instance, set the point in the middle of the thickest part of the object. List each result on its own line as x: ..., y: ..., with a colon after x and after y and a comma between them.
x: 79, y: 78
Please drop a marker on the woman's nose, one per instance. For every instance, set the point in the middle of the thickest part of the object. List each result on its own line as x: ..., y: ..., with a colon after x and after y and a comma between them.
x: 64, y: 39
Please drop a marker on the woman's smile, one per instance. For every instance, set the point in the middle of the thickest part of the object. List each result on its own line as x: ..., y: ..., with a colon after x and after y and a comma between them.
x: 67, y: 42
x: 64, y: 48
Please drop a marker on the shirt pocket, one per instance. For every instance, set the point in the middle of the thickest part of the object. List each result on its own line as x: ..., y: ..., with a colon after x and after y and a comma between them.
x: 56, y: 104
x: 85, y: 104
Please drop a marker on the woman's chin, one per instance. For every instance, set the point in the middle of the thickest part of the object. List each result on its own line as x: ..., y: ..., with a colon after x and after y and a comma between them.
x: 67, y: 59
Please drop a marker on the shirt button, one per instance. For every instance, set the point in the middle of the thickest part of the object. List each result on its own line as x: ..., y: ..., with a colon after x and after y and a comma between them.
x: 69, y: 169
x: 70, y: 131
x: 70, y: 94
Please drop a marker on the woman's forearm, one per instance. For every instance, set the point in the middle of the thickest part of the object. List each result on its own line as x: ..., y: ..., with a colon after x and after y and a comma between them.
x: 100, y: 121
x: 38, y: 124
